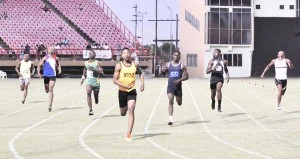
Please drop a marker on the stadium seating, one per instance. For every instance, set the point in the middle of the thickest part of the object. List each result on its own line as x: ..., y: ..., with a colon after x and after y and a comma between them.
x: 98, y: 25
x: 28, y: 23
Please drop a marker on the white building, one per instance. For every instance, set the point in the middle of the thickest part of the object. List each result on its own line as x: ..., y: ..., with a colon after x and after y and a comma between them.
x: 227, y: 25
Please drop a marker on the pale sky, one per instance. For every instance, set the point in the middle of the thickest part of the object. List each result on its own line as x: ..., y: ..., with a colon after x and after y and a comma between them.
x: 125, y: 11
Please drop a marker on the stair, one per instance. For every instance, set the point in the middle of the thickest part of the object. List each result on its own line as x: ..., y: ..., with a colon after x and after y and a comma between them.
x: 68, y: 21
x: 3, y: 44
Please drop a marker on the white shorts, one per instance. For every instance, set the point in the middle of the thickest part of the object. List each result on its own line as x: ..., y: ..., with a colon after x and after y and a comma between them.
x: 24, y: 80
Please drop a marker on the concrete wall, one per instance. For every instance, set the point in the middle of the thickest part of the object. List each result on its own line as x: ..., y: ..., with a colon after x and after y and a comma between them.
x: 270, y: 8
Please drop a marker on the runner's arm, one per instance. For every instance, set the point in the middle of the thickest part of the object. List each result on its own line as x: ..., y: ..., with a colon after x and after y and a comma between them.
x: 17, y: 68
x: 267, y: 68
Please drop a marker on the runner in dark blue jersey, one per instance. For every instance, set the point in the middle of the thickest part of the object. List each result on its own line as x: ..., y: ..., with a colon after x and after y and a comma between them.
x: 177, y: 74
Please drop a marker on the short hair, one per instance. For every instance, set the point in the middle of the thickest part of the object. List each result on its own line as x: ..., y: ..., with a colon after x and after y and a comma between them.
x: 177, y: 52
x: 218, y: 50
x: 93, y: 51
x: 125, y: 48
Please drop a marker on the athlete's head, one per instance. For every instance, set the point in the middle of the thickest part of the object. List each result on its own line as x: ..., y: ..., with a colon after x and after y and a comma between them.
x: 26, y: 57
x: 92, y: 54
x: 217, y: 53
x: 176, y: 56
x: 51, y: 50
x: 280, y: 54
x: 126, y: 54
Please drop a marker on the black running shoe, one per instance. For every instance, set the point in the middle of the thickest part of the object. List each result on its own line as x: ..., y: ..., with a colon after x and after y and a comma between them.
x: 23, y: 101
x: 170, y: 123
x: 91, y: 112
x: 50, y: 108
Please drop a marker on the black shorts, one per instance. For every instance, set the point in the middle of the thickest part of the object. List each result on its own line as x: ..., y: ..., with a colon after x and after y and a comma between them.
x: 47, y: 79
x: 283, y: 84
x: 214, y: 85
x: 175, y: 89
x: 124, y: 97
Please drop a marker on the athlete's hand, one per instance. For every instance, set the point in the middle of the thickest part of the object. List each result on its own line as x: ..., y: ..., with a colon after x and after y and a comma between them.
x: 39, y: 75
x: 20, y: 76
x: 177, y: 81
x: 81, y: 82
x: 262, y: 75
x: 142, y: 87
x: 59, y: 72
x: 129, y: 86
x: 227, y: 80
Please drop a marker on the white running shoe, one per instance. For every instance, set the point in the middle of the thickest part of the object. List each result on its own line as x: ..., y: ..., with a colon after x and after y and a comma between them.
x: 279, y: 108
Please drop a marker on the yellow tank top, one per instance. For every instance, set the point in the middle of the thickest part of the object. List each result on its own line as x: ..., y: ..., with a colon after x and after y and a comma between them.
x: 127, y: 76
x: 25, y: 68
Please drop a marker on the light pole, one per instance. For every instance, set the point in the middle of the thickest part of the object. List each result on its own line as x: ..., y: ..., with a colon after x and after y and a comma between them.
x: 143, y: 27
x: 171, y: 32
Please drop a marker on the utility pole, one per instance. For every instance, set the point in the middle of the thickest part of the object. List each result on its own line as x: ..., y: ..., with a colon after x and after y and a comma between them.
x: 155, y: 51
x: 171, y: 33
x: 135, y: 31
x: 142, y: 13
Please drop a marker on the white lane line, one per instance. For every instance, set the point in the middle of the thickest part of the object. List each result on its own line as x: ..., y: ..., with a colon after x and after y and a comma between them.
x: 11, y: 145
x: 12, y: 133
x: 55, y: 98
x: 295, y: 115
x: 146, y: 130
x: 258, y: 123
x: 284, y: 109
x: 13, y: 140
x: 82, y: 134
x: 217, y: 138
x: 34, y: 95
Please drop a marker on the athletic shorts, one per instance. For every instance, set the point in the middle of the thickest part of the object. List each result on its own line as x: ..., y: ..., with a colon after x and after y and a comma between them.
x: 47, y: 79
x: 124, y: 97
x: 24, y: 80
x: 214, y: 85
x: 283, y: 84
x: 94, y: 82
x: 175, y: 89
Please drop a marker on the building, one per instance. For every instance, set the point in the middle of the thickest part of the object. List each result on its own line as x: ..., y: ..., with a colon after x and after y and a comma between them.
x: 236, y: 27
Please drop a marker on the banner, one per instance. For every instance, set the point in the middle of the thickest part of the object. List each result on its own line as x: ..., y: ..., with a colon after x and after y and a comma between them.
x: 100, y: 54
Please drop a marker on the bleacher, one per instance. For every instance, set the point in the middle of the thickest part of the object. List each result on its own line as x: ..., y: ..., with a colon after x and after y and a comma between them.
x: 28, y: 24
x: 92, y: 19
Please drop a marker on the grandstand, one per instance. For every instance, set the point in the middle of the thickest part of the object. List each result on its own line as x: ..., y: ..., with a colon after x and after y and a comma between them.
x: 81, y: 22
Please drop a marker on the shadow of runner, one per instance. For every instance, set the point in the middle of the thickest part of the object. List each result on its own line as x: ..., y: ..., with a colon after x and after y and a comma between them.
x: 147, y: 135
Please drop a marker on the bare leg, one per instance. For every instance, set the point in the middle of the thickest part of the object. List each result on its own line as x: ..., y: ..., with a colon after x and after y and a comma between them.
x: 51, y: 94
x: 179, y: 100
x: 131, y: 107
x: 171, y: 108
x: 279, y: 95
x: 219, y: 95
x: 25, y: 92
x: 96, y: 95
x: 213, y: 95
x: 89, y: 98
x: 46, y: 88
x: 124, y: 110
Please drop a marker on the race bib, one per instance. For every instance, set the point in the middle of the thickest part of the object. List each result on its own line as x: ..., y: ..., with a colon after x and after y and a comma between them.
x: 89, y: 74
x: 219, y: 68
x: 174, y: 74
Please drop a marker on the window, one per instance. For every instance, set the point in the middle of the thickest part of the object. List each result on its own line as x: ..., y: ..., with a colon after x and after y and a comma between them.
x: 228, y: 2
x: 281, y: 6
x: 292, y: 7
x: 191, y: 60
x: 192, y: 20
x: 226, y: 27
x: 257, y: 7
x: 233, y: 60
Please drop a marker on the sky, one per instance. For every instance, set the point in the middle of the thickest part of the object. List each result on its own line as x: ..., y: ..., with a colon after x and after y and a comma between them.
x: 125, y: 11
